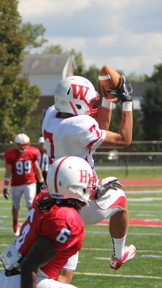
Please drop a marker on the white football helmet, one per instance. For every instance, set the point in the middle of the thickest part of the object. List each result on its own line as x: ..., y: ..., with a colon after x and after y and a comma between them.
x: 75, y: 95
x: 71, y: 177
x: 22, y: 142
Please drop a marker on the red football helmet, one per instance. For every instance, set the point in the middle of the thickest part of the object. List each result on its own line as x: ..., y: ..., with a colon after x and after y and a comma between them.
x: 22, y: 142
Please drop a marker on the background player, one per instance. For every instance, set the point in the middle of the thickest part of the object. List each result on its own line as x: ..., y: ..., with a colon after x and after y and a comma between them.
x: 22, y: 166
x: 43, y: 162
x: 53, y: 230
x: 70, y: 129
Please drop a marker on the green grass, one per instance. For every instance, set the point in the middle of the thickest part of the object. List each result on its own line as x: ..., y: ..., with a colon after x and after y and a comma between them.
x: 93, y: 267
x: 130, y: 172
x: 119, y: 172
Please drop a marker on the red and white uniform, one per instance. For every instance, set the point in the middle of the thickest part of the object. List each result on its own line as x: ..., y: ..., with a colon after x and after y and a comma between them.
x: 63, y: 225
x: 22, y: 165
x: 23, y: 179
x: 80, y: 136
x: 77, y: 136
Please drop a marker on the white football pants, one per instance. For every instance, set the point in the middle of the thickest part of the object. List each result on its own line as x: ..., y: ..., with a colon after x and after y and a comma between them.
x: 29, y: 191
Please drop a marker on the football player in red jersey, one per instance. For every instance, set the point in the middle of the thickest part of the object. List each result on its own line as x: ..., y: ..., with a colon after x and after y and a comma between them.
x: 53, y: 230
x: 22, y: 166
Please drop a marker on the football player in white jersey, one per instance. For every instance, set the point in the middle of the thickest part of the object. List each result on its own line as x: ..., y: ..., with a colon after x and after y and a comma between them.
x: 70, y: 129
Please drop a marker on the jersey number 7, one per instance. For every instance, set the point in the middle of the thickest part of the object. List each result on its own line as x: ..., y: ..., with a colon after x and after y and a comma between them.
x: 49, y: 136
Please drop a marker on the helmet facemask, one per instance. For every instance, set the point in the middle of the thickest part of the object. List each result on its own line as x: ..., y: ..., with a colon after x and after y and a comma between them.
x: 22, y: 147
x: 22, y: 142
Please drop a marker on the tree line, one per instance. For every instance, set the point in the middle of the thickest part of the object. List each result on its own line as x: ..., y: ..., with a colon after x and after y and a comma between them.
x: 18, y: 98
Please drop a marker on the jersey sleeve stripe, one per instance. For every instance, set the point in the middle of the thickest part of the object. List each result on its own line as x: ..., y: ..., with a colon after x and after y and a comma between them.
x: 99, y: 140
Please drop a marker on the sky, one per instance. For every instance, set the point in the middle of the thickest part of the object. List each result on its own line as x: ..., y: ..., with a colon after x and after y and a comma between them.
x: 123, y: 34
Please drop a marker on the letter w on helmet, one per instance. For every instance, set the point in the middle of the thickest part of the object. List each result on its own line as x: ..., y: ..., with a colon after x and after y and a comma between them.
x: 75, y: 95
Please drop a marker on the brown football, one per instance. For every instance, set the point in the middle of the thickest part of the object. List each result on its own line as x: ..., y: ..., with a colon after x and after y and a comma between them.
x: 109, y: 79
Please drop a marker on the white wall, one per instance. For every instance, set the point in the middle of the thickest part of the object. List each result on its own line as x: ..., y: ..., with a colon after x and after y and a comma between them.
x: 46, y: 82
x: 136, y: 102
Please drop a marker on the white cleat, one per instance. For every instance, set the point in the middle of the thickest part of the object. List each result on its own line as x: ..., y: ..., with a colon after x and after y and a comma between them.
x: 129, y: 253
x: 17, y: 232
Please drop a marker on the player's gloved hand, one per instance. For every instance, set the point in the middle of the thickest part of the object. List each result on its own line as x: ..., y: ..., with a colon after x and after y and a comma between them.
x: 43, y: 185
x: 124, y: 93
x: 6, y: 193
x: 111, y: 184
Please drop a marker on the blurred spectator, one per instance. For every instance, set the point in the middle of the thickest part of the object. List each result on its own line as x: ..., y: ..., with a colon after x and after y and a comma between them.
x: 43, y: 162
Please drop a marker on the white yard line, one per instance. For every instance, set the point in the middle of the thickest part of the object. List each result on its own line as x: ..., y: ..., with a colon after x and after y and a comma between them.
x: 152, y: 256
x: 145, y: 199
x: 143, y: 204
x: 140, y: 234
x: 123, y: 276
x: 102, y: 258
x: 105, y: 249
x: 143, y: 191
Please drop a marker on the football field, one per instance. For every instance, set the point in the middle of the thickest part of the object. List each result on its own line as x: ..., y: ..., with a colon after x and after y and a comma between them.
x: 145, y: 232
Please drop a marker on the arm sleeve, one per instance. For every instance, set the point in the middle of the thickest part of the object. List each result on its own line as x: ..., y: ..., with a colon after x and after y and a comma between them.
x: 8, y: 158
x: 35, y: 152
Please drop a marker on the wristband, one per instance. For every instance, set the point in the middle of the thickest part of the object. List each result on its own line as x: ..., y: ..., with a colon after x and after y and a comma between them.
x: 5, y: 186
x: 106, y: 103
x: 127, y: 106
x: 7, y: 179
x: 41, y: 180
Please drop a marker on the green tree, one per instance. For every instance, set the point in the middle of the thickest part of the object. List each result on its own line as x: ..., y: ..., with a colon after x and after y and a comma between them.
x: 137, y: 126
x: 31, y: 33
x: 133, y: 77
x: 156, y: 75
x: 92, y: 75
x: 152, y: 112
x: 53, y: 49
x: 80, y: 65
x: 18, y: 98
x: 58, y: 49
x: 138, y: 133
x: 34, y: 128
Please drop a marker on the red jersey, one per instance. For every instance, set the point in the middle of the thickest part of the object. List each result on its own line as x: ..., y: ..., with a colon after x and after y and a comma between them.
x: 22, y: 165
x: 63, y: 225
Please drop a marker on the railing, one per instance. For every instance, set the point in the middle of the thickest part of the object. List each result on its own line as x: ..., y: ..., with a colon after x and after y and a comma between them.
x: 128, y: 159
x: 124, y: 159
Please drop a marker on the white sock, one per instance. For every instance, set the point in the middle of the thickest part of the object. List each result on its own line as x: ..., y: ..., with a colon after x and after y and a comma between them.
x: 118, y: 247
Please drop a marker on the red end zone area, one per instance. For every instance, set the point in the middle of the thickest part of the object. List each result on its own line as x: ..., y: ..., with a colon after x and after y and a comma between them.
x: 137, y: 222
x: 128, y: 182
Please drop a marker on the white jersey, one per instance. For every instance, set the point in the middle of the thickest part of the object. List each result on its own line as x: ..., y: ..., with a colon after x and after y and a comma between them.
x: 78, y: 136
